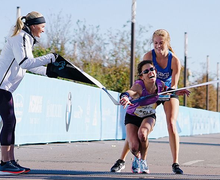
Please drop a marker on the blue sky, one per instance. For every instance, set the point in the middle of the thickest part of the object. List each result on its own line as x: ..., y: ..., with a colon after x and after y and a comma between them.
x: 199, y: 18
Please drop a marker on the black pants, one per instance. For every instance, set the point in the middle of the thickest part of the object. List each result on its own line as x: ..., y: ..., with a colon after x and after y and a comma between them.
x: 7, y: 136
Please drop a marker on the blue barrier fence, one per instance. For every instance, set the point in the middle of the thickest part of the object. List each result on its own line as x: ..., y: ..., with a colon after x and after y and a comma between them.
x: 53, y: 110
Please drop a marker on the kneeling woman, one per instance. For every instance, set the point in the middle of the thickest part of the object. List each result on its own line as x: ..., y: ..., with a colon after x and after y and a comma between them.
x: 140, y: 117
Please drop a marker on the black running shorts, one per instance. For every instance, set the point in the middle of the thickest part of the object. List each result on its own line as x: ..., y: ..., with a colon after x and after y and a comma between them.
x: 129, y: 119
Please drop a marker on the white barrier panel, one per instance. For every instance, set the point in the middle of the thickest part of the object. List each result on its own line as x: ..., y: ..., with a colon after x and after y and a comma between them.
x: 53, y: 110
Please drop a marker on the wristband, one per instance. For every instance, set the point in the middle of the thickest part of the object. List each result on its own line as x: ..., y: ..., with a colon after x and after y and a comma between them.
x: 124, y: 94
x: 170, y: 89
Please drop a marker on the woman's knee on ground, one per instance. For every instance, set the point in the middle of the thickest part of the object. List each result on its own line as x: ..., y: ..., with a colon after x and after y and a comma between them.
x: 134, y: 148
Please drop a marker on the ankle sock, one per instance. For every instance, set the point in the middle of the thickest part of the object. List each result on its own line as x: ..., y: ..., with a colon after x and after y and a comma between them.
x: 2, y: 163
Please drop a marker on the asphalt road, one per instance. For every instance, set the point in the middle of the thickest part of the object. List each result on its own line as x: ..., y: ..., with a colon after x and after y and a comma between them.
x: 199, y: 159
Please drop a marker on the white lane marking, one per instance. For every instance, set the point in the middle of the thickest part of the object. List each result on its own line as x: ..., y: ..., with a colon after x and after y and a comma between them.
x: 192, y: 162
x: 214, y: 165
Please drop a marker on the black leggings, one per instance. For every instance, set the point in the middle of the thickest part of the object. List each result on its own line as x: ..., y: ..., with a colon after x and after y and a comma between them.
x: 7, y: 136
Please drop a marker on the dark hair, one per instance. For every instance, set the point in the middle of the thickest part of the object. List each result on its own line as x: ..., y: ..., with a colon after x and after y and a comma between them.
x: 141, y: 64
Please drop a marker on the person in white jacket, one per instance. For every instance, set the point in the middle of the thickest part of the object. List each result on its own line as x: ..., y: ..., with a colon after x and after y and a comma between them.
x: 15, y: 59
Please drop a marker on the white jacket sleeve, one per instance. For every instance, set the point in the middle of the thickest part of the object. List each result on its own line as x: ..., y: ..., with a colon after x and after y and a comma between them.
x: 22, y: 50
x: 39, y: 70
x: 30, y: 63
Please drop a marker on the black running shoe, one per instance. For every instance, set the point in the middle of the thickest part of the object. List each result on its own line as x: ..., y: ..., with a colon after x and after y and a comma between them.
x: 176, y: 169
x: 9, y: 168
x: 26, y: 170
x: 118, y: 166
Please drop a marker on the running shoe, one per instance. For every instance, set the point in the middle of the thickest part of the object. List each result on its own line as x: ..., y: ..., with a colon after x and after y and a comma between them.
x: 144, y: 167
x: 176, y: 168
x: 135, y: 168
x: 118, y: 166
x: 26, y: 170
x: 8, y: 167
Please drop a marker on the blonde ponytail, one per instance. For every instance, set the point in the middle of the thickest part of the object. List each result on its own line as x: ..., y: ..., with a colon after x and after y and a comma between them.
x: 18, y: 26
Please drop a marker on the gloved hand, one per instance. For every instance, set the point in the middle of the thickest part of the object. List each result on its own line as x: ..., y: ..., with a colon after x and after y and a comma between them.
x: 50, y: 71
x: 55, y: 57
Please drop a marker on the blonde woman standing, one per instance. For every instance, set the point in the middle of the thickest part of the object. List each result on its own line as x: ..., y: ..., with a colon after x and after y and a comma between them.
x: 168, y: 70
x: 15, y: 59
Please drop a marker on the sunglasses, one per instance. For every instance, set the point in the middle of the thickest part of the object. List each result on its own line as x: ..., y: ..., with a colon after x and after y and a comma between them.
x: 146, y: 71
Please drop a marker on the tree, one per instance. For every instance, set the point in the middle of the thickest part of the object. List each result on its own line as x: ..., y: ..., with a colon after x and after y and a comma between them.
x: 107, y: 57
x: 58, y: 33
x: 198, y: 95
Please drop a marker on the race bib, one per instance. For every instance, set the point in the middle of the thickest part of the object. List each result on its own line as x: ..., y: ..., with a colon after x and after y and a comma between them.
x: 143, y: 111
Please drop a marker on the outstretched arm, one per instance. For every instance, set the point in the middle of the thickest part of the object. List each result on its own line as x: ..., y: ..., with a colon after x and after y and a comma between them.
x: 134, y: 93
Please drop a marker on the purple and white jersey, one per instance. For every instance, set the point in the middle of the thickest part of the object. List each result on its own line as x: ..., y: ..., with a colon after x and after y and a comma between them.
x: 147, y: 106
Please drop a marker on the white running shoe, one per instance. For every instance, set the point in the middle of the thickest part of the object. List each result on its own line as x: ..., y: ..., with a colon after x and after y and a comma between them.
x: 135, y: 165
x: 144, y: 167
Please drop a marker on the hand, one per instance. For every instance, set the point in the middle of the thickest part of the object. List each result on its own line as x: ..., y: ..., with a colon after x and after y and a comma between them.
x: 182, y: 92
x: 50, y: 71
x: 54, y: 58
x: 55, y: 55
x: 124, y: 101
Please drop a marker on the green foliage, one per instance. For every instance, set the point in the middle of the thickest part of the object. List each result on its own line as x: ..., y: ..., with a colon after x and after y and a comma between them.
x: 198, y: 95
x: 40, y: 51
x: 106, y: 57
x: 116, y: 78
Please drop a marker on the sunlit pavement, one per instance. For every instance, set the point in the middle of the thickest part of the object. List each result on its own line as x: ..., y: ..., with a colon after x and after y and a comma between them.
x: 199, y: 158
